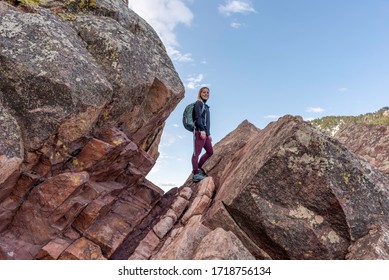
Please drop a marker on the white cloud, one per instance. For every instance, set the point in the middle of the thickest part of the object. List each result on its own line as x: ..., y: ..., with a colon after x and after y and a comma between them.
x: 236, y: 25
x: 168, y: 139
x: 164, y: 16
x: 314, y: 110
x: 171, y: 185
x: 236, y: 6
x: 176, y: 55
x: 166, y: 186
x: 162, y: 160
x: 272, y: 117
x: 342, y: 89
x: 195, y: 81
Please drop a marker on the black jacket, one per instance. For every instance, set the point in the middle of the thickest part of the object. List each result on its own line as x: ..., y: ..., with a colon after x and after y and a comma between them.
x: 202, y: 117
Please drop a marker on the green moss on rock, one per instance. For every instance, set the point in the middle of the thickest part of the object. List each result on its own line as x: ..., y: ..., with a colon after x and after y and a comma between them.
x: 31, y: 2
x: 85, y: 4
x: 73, y: 8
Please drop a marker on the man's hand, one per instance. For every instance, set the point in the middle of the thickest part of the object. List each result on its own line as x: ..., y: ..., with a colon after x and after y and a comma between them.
x: 203, y: 135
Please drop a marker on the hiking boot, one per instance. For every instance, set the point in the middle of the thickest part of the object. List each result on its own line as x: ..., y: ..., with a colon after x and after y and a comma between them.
x: 198, y: 177
x: 202, y: 172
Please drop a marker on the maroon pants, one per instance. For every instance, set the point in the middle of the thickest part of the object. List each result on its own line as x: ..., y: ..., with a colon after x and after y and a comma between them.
x: 199, y: 144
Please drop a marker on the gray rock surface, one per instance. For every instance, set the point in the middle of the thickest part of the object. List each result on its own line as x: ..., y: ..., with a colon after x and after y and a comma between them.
x: 85, y: 89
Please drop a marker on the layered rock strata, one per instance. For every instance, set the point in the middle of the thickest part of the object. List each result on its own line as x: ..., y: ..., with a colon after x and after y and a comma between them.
x: 285, y: 192
x: 85, y: 89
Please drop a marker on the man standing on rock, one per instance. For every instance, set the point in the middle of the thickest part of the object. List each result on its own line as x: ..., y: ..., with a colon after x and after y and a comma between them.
x: 202, y: 135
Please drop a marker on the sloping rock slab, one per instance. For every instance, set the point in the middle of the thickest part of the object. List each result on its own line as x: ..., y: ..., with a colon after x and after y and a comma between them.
x: 299, y: 194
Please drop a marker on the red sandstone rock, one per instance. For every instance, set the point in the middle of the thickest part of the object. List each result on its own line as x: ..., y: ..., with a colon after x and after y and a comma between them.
x: 369, y: 141
x: 146, y: 247
x: 373, y: 246
x: 79, y: 135
x: 53, y: 249
x: 210, y: 247
x: 82, y: 249
x: 108, y: 233
x: 183, y: 244
x: 78, y: 132
x: 9, y: 174
x: 297, y: 194
x: 49, y: 207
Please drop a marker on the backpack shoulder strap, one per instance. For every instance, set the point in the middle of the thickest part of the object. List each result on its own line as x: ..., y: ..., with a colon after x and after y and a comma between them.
x: 203, y: 107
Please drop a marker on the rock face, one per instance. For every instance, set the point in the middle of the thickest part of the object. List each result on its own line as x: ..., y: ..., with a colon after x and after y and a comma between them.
x: 298, y: 194
x: 369, y: 141
x: 285, y: 192
x: 85, y: 89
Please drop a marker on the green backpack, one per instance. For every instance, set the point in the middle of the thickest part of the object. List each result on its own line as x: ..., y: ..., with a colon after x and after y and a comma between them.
x: 187, y: 118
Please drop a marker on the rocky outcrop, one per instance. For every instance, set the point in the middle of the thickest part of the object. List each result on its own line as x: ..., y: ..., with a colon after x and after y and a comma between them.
x: 369, y: 141
x: 373, y: 246
x: 285, y: 192
x: 366, y: 135
x: 85, y: 89
x: 300, y: 195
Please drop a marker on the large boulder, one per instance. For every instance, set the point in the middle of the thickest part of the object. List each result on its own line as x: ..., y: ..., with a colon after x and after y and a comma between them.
x: 298, y: 194
x: 49, y: 80
x: 85, y: 89
x: 11, y: 154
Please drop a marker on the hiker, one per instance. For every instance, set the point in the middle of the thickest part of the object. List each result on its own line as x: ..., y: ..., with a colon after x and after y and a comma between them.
x: 202, y: 136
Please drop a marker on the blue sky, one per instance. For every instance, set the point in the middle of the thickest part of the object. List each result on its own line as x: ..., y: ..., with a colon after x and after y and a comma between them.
x: 267, y: 58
